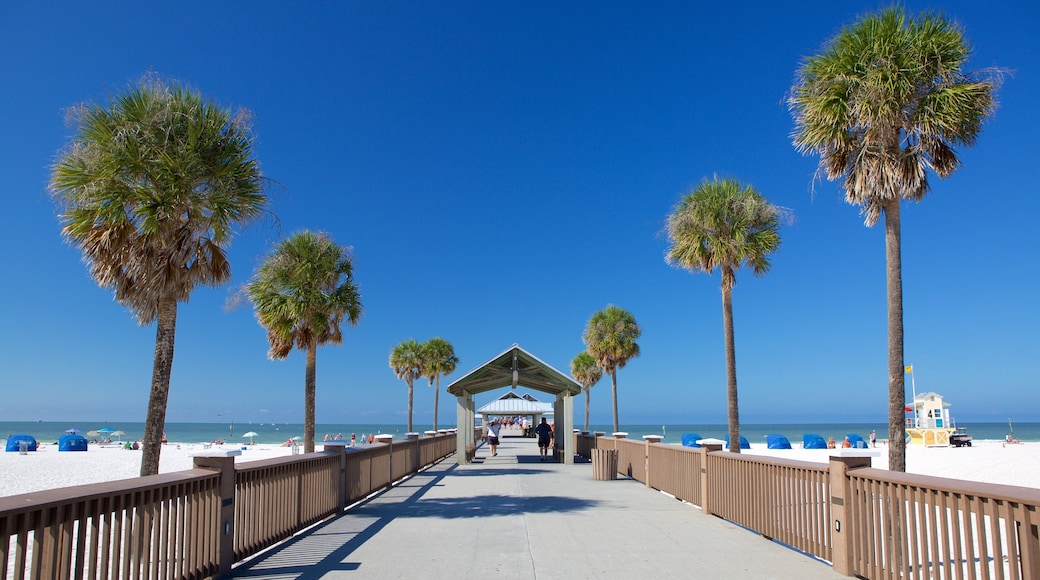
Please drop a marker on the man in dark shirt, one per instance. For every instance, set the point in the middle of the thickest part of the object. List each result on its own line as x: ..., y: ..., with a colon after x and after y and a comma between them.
x: 545, y: 433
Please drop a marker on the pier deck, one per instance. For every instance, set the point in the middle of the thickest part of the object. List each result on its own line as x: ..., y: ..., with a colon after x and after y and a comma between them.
x: 514, y: 517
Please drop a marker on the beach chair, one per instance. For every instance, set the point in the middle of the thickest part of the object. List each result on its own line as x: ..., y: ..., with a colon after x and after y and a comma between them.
x: 691, y: 439
x: 775, y: 441
x: 857, y: 441
x: 743, y: 443
x: 813, y: 441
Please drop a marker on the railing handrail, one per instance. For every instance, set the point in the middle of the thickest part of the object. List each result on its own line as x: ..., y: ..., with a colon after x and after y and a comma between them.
x: 47, y: 498
x: 998, y: 491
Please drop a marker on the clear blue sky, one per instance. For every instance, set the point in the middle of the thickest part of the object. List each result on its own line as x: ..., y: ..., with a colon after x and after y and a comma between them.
x: 503, y: 170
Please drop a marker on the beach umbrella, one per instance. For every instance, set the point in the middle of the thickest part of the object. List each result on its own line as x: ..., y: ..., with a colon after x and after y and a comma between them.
x: 72, y: 431
x: 105, y: 430
x: 93, y: 433
x: 297, y: 438
x: 118, y: 434
x: 251, y: 434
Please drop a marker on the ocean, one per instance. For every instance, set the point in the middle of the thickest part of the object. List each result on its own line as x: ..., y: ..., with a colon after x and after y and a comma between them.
x: 273, y: 434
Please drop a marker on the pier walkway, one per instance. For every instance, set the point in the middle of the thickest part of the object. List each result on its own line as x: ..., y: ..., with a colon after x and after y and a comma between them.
x: 514, y: 517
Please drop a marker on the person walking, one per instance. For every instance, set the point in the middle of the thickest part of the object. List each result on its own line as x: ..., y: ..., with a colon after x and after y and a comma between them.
x: 492, y: 436
x: 545, y: 434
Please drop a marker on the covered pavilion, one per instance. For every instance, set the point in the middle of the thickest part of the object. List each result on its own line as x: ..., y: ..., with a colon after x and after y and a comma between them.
x: 511, y: 368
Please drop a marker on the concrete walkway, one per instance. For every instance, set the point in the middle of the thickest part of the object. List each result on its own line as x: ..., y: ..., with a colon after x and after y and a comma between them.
x: 515, y: 517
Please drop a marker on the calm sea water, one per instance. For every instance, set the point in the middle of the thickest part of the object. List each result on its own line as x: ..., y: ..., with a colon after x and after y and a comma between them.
x: 278, y: 433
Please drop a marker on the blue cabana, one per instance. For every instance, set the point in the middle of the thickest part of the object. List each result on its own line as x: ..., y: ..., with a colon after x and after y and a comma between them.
x: 857, y: 441
x: 813, y: 441
x: 72, y: 443
x: 14, y: 441
x: 691, y: 439
x: 775, y: 441
x: 743, y: 443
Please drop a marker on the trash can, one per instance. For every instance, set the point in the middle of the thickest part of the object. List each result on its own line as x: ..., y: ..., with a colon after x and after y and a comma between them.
x: 23, y: 447
x: 604, y: 464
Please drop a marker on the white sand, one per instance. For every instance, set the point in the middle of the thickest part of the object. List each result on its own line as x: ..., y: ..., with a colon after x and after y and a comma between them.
x: 46, y: 468
x: 986, y: 461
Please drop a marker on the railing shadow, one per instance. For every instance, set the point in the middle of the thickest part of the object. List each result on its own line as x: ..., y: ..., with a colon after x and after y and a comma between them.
x: 340, y: 536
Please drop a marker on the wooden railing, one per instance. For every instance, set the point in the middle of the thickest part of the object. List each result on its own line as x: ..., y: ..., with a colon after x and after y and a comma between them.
x: 911, y: 526
x: 867, y: 522
x: 196, y: 523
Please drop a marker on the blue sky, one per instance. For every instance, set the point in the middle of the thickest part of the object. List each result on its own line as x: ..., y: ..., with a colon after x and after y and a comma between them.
x: 504, y: 170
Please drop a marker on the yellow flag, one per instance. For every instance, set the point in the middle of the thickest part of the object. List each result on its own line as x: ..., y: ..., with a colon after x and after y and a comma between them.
x: 910, y: 369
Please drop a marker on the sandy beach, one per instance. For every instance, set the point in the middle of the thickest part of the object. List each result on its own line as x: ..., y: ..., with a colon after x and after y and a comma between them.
x: 986, y: 461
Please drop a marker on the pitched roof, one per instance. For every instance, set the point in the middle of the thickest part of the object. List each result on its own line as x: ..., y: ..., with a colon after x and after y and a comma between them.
x: 511, y: 368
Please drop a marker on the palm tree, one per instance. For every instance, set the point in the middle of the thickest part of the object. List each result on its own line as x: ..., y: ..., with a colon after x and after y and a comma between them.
x: 438, y: 359
x: 150, y: 190
x: 721, y: 224
x: 408, y: 364
x: 302, y: 293
x: 610, y: 337
x: 585, y: 370
x: 885, y: 101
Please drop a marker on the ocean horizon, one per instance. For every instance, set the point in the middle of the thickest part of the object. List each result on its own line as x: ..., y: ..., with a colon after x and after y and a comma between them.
x: 277, y: 433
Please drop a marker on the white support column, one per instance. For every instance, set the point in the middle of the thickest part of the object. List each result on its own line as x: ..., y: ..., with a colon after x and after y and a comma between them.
x: 465, y: 429
x: 568, y: 428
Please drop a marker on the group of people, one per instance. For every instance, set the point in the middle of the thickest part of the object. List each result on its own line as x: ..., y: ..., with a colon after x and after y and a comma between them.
x: 544, y: 432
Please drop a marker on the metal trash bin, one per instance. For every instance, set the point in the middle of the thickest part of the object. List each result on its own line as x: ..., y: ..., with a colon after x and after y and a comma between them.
x: 604, y: 464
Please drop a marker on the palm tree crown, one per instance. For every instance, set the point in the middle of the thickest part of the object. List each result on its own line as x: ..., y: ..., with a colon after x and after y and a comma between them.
x: 408, y: 364
x: 302, y: 294
x: 150, y: 190
x: 724, y: 225
x: 886, y: 101
x: 585, y: 370
x: 438, y: 359
x: 610, y: 337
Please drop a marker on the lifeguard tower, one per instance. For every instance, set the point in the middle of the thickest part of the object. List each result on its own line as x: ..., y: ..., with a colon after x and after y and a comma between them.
x: 931, y: 424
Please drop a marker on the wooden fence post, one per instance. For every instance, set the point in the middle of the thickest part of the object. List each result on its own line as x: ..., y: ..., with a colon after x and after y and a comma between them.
x: 650, y: 440
x: 707, y: 448
x: 841, y: 494
x: 224, y: 463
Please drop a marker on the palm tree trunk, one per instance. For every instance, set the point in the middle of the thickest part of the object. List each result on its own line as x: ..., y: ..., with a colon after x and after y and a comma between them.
x: 309, y: 396
x: 436, y: 400
x: 613, y: 392
x: 410, y: 406
x: 731, y: 369
x: 166, y: 329
x: 896, y: 376
x: 588, y: 398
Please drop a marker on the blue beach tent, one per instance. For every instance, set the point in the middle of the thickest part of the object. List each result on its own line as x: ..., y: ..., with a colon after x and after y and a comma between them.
x: 14, y: 440
x: 743, y: 443
x: 813, y: 441
x: 775, y: 441
x: 857, y: 441
x: 691, y: 439
x: 72, y: 443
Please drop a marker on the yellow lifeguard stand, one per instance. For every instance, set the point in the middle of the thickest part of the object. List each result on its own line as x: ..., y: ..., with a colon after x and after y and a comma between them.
x: 931, y: 424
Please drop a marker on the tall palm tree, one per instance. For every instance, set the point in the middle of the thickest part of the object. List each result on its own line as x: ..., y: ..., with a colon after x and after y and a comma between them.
x: 150, y: 190
x: 408, y: 364
x: 721, y: 224
x: 885, y: 101
x: 585, y: 370
x: 438, y: 359
x: 610, y: 337
x: 302, y: 293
